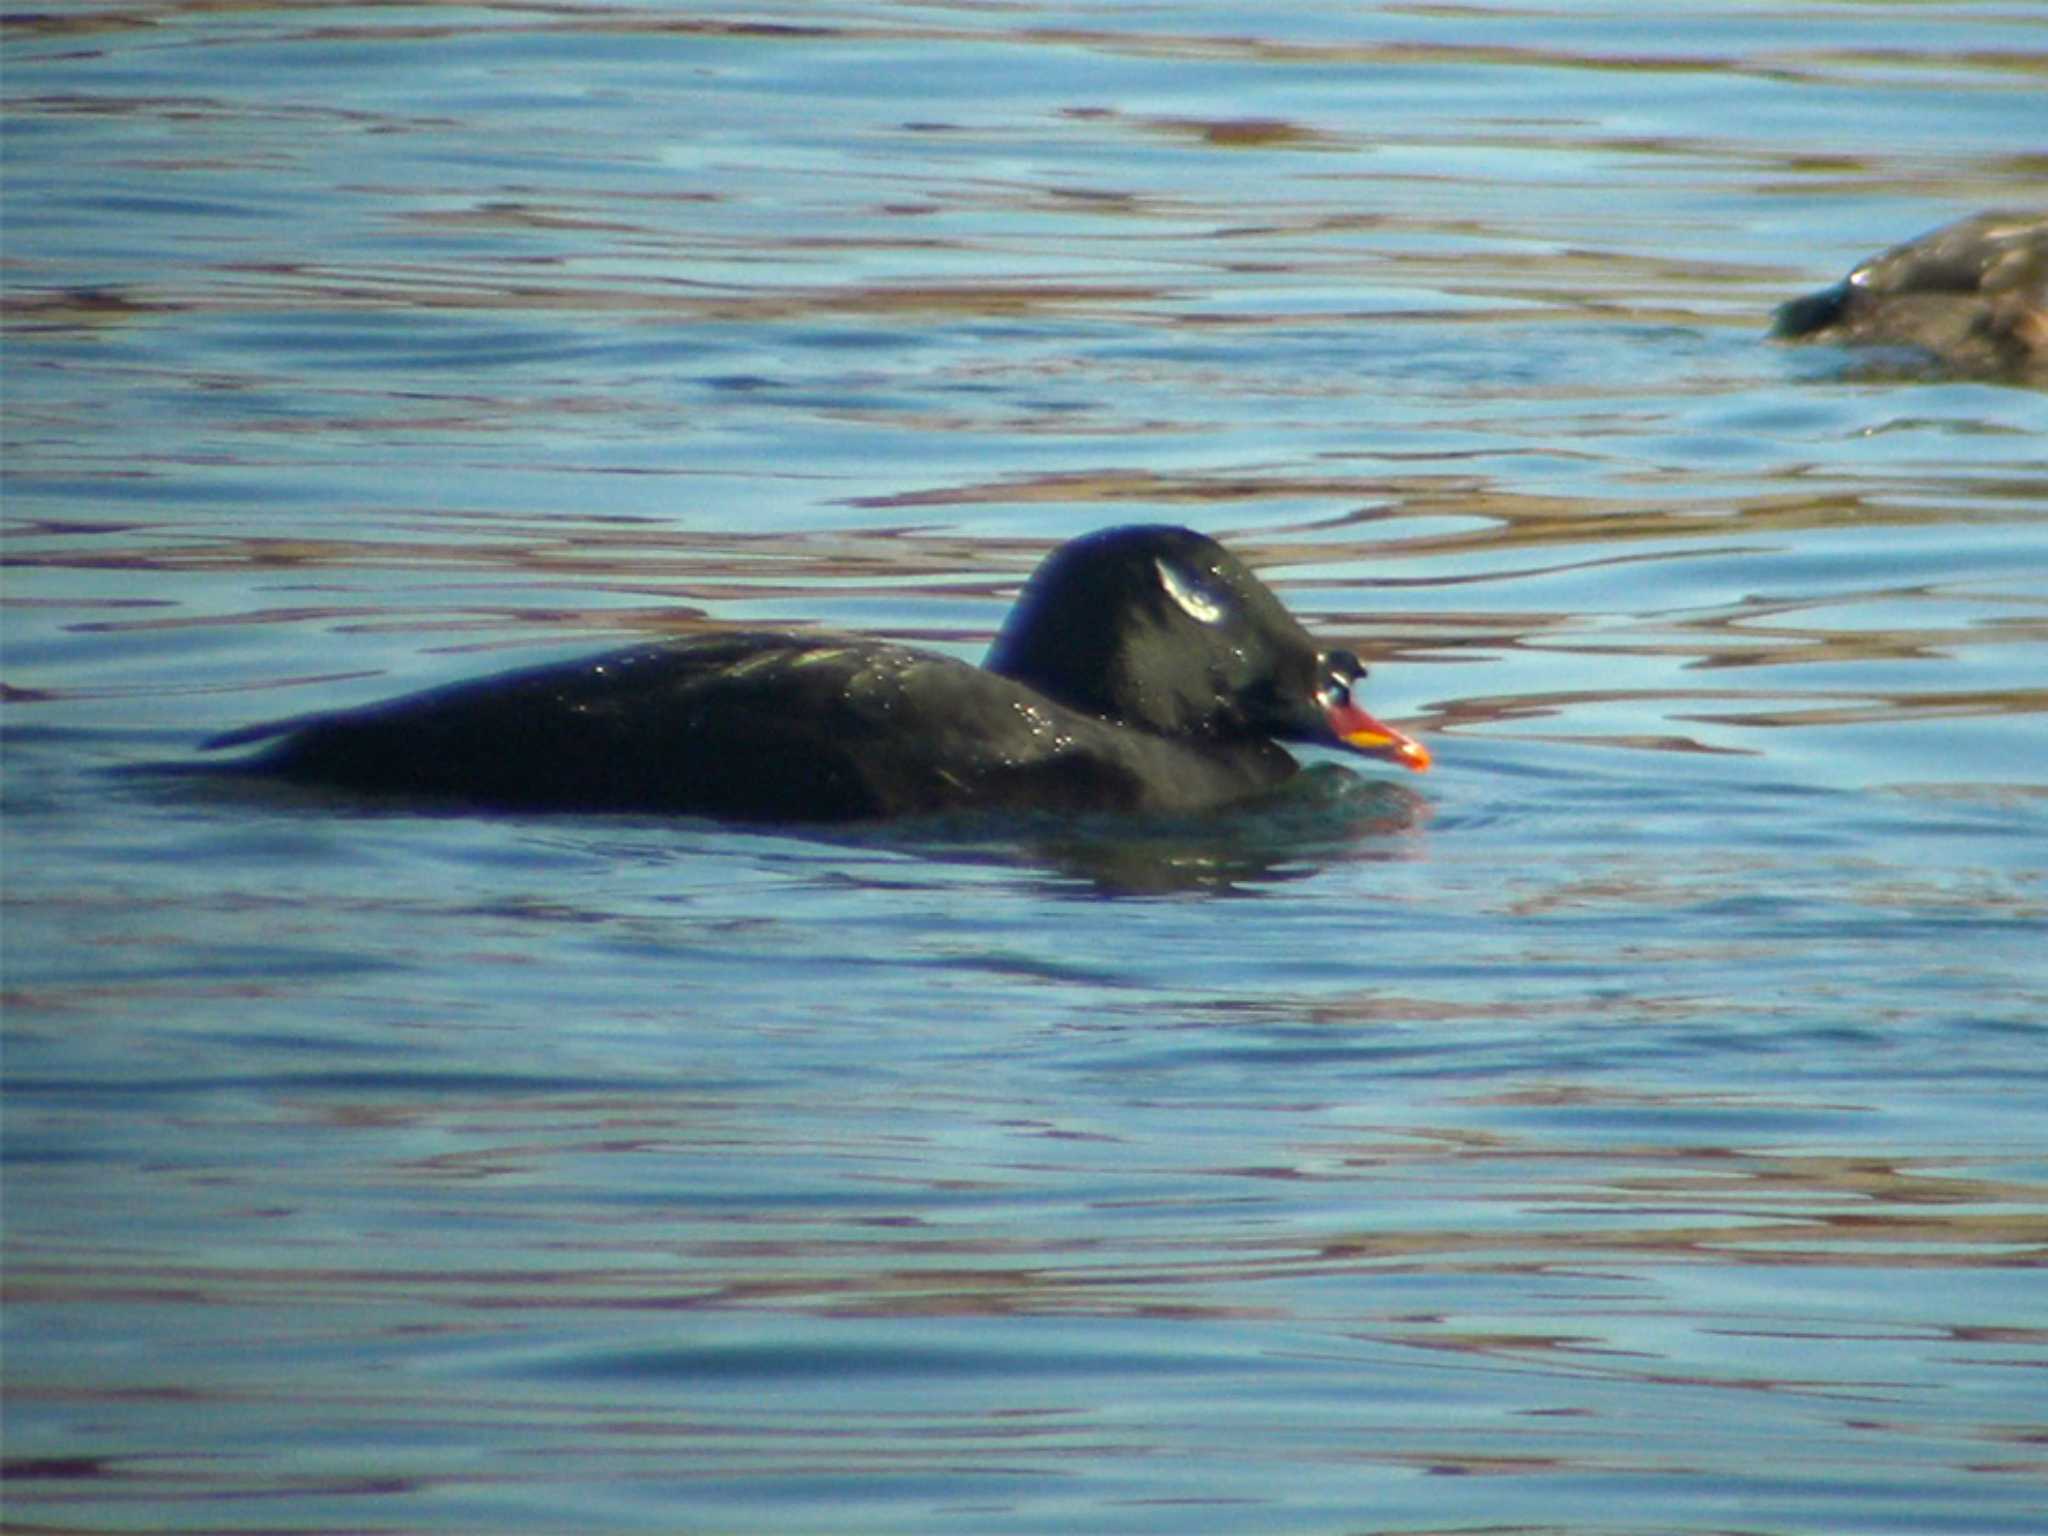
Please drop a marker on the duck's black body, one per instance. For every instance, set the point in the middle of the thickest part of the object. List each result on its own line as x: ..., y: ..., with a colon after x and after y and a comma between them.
x: 759, y: 727
x: 1145, y: 670
x: 1973, y: 294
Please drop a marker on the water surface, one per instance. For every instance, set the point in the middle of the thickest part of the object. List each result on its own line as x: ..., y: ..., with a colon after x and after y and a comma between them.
x: 1635, y: 1125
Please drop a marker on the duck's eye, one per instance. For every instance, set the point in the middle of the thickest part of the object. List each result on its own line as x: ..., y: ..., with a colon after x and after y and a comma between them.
x: 1202, y: 604
x: 1342, y: 673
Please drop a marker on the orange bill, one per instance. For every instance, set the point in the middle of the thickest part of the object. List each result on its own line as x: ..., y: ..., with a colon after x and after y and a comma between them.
x: 1362, y: 733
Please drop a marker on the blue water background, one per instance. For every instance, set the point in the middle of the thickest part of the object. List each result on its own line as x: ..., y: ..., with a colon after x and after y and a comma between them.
x: 1638, y: 1124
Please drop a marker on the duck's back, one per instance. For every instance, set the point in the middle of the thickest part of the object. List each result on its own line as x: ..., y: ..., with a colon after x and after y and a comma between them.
x: 1973, y: 294
x: 762, y: 727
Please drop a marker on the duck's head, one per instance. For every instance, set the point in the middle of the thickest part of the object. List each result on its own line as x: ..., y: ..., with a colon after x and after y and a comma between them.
x: 1164, y: 629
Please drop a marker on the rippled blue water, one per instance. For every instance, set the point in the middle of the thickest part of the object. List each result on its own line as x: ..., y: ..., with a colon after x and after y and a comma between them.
x: 1635, y: 1125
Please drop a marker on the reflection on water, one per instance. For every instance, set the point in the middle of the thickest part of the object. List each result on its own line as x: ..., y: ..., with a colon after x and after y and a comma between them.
x: 1328, y: 815
x: 1636, y: 1124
